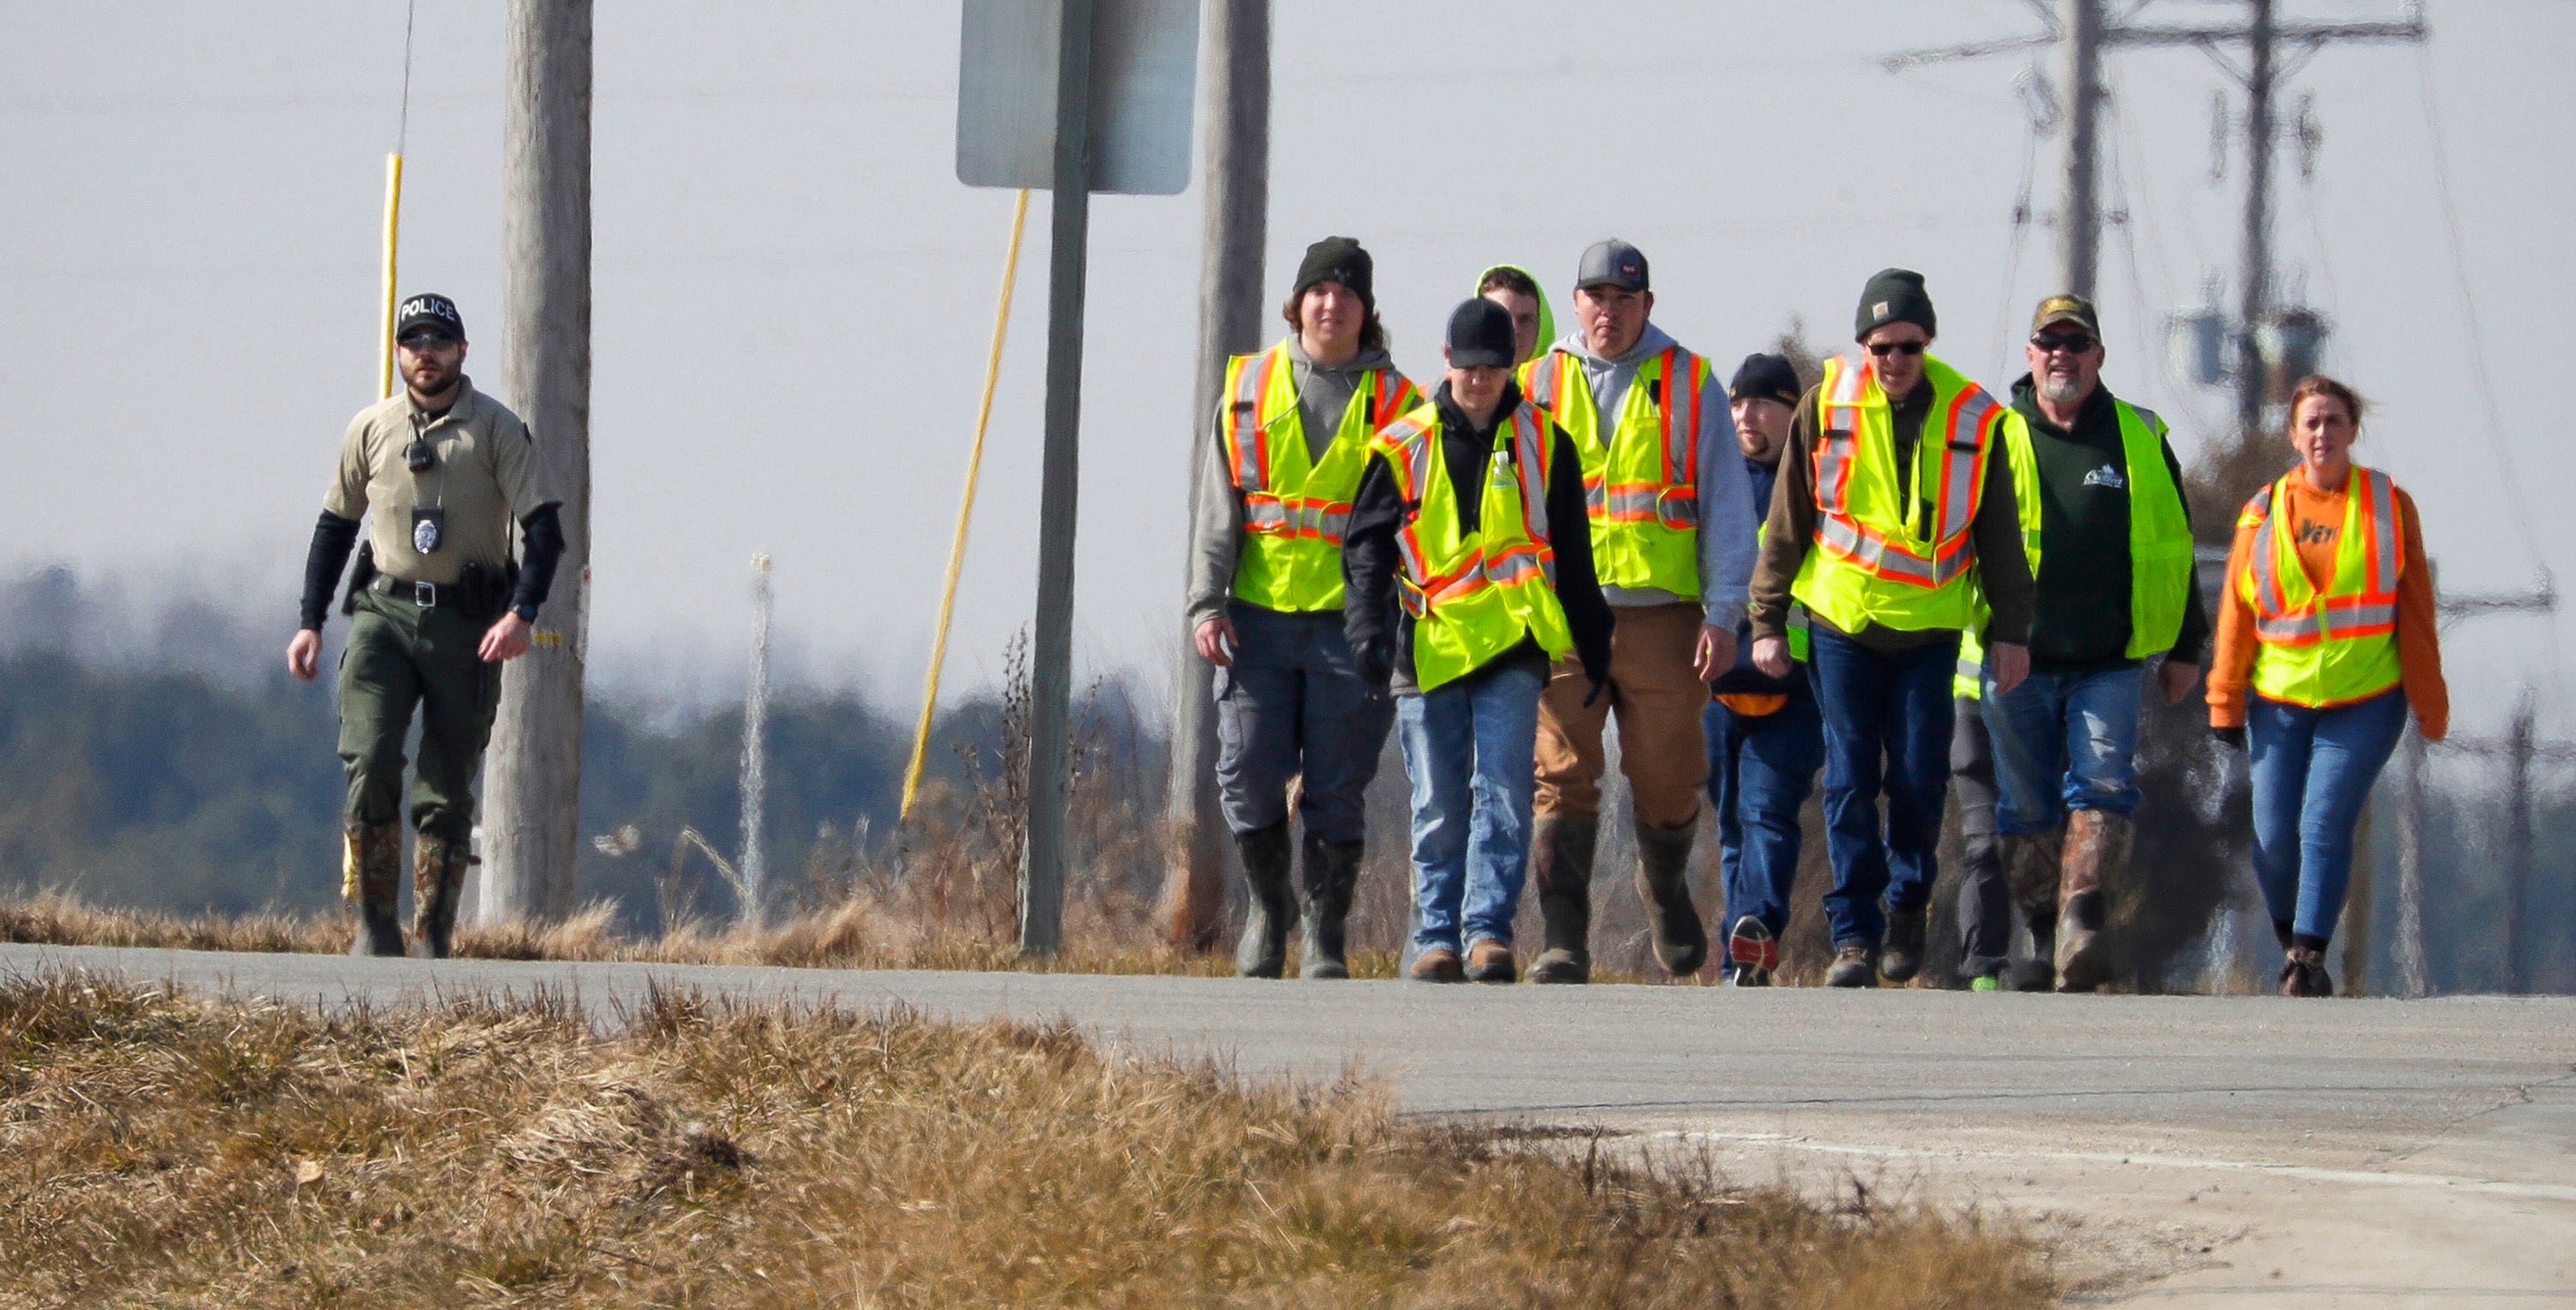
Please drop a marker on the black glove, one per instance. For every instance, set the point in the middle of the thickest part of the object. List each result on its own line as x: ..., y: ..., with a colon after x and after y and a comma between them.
x: 2232, y: 736
x: 1375, y: 661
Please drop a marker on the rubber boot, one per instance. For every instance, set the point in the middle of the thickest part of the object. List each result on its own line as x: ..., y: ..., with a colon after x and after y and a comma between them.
x: 1331, y: 870
x: 1263, y: 952
x: 437, y: 884
x: 1561, y: 864
x: 2030, y: 862
x: 372, y: 880
x: 2097, y: 850
x: 1663, y: 882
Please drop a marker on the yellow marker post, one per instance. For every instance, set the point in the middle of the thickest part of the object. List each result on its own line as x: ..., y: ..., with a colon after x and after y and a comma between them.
x: 965, y: 513
x: 393, y: 227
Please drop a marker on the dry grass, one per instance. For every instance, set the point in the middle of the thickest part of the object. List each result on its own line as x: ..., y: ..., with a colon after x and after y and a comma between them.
x: 165, y: 1149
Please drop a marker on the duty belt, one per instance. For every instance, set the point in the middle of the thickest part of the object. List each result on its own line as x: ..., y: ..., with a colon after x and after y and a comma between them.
x: 427, y: 595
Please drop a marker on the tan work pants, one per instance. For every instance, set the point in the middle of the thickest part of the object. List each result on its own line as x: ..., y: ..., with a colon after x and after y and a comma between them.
x: 1657, y: 698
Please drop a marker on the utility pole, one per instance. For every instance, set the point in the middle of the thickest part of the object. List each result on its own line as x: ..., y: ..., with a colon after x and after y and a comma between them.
x: 1051, y: 654
x: 1232, y: 234
x: 755, y: 753
x: 533, y: 792
x: 2079, y: 222
x: 2519, y: 747
x: 2255, y: 273
x: 2413, y: 974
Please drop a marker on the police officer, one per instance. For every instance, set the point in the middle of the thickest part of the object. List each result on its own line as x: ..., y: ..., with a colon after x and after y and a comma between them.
x: 438, y: 473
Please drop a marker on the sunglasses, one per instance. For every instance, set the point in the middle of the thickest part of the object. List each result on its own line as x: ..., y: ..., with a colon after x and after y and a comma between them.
x: 427, y: 341
x: 2077, y: 344
x: 1883, y: 349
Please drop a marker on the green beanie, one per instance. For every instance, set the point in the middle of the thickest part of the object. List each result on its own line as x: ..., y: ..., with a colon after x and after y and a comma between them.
x: 1894, y: 295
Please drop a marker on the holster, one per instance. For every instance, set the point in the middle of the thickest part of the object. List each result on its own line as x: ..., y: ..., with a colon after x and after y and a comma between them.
x: 484, y: 590
x: 360, y: 574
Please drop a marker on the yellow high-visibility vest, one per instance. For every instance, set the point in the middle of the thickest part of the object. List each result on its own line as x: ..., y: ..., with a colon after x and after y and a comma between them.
x: 1874, y: 560
x: 2339, y: 645
x: 1641, y: 479
x: 1474, y: 595
x: 2160, y: 545
x: 1295, y: 507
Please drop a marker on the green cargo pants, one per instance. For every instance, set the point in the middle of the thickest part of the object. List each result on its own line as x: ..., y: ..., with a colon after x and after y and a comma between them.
x: 401, y: 655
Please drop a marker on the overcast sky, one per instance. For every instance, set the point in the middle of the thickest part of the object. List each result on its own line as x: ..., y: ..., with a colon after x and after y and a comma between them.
x: 793, y: 293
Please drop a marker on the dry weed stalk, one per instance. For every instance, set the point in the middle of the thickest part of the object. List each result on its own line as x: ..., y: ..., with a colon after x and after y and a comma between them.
x: 164, y: 1149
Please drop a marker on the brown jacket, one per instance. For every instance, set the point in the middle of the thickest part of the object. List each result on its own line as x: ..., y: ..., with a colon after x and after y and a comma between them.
x: 1791, y: 531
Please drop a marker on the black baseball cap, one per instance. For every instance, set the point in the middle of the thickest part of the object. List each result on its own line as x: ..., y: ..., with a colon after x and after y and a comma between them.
x: 1766, y: 377
x: 1612, y: 263
x: 1480, y: 335
x: 429, y: 312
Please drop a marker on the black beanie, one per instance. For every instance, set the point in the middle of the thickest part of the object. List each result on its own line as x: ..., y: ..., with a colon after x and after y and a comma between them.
x: 1894, y: 295
x: 1766, y: 377
x: 1337, y: 259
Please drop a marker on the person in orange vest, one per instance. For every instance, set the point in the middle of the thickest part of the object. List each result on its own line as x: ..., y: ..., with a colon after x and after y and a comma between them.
x: 2325, y: 640
x: 1264, y: 606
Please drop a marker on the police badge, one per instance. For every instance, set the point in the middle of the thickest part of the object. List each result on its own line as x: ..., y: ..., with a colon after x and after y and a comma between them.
x: 427, y: 521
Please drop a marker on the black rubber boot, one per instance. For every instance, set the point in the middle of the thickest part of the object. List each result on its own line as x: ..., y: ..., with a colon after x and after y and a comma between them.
x: 373, y: 881
x: 1263, y: 952
x: 437, y: 884
x: 1331, y: 870
x: 1901, y: 955
x: 1561, y: 864
x: 1663, y: 881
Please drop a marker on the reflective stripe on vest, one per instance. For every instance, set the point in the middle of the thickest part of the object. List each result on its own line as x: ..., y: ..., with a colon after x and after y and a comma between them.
x: 1640, y: 484
x: 1872, y: 547
x: 2336, y: 645
x: 1296, y: 507
x: 1474, y: 595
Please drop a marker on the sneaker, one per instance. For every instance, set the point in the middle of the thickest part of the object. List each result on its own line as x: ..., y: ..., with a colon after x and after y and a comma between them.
x: 1489, y: 961
x: 1855, y: 965
x: 1986, y: 982
x: 1752, y: 953
x: 1903, y: 957
x: 1436, y: 964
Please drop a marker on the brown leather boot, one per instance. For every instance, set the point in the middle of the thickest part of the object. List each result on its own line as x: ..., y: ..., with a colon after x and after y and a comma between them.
x: 2097, y: 851
x: 437, y: 884
x: 1489, y: 961
x: 1663, y: 882
x: 371, y: 880
x: 1437, y: 964
x: 1561, y: 864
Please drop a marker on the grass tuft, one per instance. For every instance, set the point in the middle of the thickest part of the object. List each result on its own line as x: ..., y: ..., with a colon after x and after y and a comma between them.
x: 165, y: 1148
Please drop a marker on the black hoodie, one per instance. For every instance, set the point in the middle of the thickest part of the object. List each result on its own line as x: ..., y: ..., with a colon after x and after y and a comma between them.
x: 1381, y: 633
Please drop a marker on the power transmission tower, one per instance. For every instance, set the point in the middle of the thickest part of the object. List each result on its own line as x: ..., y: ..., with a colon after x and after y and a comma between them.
x: 532, y: 796
x: 1232, y: 234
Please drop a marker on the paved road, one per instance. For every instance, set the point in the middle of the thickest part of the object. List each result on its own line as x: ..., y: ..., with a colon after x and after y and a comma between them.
x: 2236, y: 1150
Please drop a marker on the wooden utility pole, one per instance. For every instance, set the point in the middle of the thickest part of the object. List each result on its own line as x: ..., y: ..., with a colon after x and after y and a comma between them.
x: 1051, y: 654
x: 2254, y: 272
x: 532, y: 795
x: 1236, y: 153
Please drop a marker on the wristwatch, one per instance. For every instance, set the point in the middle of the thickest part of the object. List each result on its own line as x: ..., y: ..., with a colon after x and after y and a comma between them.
x: 527, y: 613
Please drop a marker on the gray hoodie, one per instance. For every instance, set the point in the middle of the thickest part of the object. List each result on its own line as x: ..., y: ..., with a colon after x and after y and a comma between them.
x: 1727, y: 522
x: 1323, y: 393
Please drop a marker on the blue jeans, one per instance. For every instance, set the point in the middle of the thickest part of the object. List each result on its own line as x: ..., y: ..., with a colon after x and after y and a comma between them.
x: 1888, y: 720
x: 1760, y: 769
x: 1467, y: 748
x: 1293, y: 704
x: 2064, y: 741
x: 2312, y: 771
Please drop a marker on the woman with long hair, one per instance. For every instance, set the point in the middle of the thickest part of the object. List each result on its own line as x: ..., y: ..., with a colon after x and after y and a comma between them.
x: 2327, y: 621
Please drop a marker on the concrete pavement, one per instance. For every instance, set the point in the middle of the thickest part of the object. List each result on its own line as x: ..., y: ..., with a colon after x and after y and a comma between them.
x: 2212, y: 1151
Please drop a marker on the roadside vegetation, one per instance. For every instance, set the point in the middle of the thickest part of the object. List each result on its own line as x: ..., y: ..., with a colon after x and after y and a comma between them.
x: 163, y: 1148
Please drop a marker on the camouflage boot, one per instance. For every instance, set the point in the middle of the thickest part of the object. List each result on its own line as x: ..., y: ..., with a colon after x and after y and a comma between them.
x: 2030, y: 861
x: 371, y: 881
x: 2097, y: 848
x: 437, y: 883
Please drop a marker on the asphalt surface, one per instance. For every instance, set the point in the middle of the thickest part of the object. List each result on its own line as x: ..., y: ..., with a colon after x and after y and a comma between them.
x: 2187, y: 1150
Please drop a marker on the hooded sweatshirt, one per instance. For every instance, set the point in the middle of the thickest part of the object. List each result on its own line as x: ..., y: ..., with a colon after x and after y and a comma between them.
x: 1546, y: 313
x: 1216, y: 546
x: 1727, y: 521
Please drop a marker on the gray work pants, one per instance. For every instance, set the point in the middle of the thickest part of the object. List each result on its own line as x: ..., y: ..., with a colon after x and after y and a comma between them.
x: 1293, y: 704
x: 1985, y: 898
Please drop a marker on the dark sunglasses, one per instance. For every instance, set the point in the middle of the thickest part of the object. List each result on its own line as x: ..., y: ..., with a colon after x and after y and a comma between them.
x: 1883, y: 349
x: 2078, y: 344
x: 428, y: 341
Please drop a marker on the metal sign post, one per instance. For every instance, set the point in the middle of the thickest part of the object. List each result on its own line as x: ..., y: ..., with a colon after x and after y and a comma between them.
x: 1120, y: 75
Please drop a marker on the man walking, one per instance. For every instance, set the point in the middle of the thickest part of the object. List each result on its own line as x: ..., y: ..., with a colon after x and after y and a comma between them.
x: 1765, y: 736
x: 1469, y: 569
x: 1533, y: 319
x: 1672, y: 544
x: 1889, y: 516
x: 1265, y: 602
x: 2100, y: 500
x: 438, y: 473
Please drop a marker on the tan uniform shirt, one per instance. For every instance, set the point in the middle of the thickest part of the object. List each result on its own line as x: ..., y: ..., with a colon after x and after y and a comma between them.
x: 486, y: 479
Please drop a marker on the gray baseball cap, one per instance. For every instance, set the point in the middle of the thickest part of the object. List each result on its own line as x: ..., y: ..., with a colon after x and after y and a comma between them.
x: 1612, y: 263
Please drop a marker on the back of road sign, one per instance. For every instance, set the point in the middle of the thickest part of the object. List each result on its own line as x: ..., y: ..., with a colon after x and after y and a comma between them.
x: 1144, y: 71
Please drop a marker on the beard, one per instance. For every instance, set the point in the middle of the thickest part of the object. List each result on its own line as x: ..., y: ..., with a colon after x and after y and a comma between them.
x: 2061, y: 390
